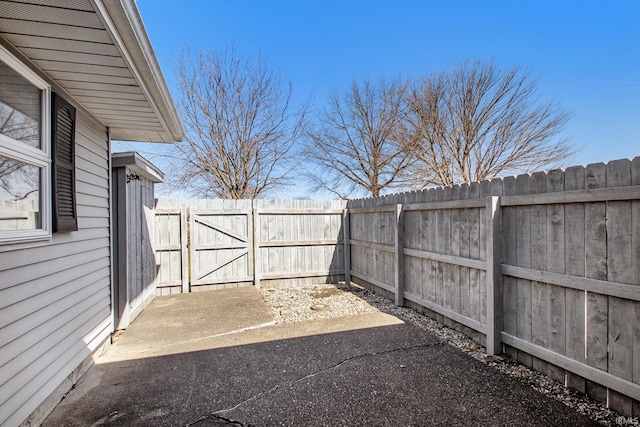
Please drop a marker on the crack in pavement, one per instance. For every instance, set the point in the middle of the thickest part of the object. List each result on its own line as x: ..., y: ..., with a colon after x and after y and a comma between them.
x: 216, y: 417
x: 310, y: 375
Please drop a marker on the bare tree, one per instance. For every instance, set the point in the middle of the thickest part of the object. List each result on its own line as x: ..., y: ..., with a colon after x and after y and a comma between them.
x: 477, y: 122
x: 355, y: 147
x: 242, y: 133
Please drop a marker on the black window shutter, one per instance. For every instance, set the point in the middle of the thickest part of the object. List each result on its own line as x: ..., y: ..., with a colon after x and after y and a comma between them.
x: 63, y: 138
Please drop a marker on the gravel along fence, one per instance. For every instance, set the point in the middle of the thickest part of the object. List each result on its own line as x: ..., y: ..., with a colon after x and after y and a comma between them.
x: 291, y: 304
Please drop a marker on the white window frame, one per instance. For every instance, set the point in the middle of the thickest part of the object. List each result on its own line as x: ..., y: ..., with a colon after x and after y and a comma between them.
x: 40, y: 158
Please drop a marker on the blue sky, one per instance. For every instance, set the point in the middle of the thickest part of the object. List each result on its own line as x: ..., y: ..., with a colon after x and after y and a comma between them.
x: 585, y: 54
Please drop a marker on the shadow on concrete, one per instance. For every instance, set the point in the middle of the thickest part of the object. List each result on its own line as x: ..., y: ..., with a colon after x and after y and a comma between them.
x: 363, y: 370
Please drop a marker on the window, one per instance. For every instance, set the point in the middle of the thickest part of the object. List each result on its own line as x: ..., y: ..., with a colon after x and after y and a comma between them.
x: 25, y: 162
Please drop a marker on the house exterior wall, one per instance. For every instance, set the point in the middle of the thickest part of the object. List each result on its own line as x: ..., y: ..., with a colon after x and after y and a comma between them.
x: 55, y: 296
x: 141, y: 266
x: 135, y: 267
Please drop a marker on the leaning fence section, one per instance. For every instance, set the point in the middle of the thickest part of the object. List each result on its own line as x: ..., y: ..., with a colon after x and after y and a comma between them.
x: 545, y: 266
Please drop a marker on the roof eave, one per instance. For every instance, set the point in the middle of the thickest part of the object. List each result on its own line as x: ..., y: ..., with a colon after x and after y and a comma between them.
x: 122, y: 20
x: 138, y: 164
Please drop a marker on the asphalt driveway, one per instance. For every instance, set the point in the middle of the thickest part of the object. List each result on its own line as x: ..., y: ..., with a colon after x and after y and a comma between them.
x: 217, y: 358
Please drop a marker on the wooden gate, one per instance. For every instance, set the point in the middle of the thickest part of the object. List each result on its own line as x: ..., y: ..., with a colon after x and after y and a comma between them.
x: 234, y: 243
x: 221, y: 244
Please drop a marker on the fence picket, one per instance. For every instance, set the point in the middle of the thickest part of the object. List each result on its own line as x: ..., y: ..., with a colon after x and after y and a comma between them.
x: 464, y: 251
x: 539, y: 319
x: 454, y: 250
x: 485, y: 193
x: 575, y: 346
x: 555, y: 263
x: 444, y: 242
x: 622, y: 312
x: 523, y: 259
x: 509, y: 232
x: 596, y: 268
x: 475, y: 289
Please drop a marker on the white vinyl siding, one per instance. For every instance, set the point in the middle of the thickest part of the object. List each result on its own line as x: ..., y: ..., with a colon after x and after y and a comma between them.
x: 55, y: 297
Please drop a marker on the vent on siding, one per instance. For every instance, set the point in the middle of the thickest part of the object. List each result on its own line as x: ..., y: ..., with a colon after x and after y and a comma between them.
x: 63, y: 131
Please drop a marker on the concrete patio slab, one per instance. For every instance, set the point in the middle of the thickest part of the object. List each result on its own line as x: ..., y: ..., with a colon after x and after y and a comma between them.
x: 216, y: 358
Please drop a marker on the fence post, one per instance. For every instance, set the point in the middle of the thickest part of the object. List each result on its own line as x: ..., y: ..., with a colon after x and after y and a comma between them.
x: 494, y: 276
x: 346, y: 236
x: 399, y: 261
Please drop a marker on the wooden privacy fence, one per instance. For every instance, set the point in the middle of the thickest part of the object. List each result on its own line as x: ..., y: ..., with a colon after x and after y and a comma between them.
x: 210, y: 244
x: 546, y: 266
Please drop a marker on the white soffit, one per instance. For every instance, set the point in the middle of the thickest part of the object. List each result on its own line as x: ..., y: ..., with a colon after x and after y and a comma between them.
x: 99, y: 52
